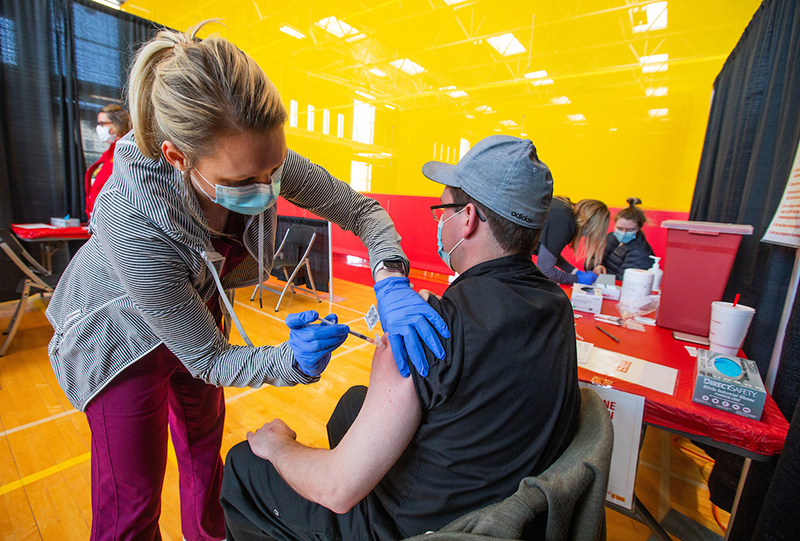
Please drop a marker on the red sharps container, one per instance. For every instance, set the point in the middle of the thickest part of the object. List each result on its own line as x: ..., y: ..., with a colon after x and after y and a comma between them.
x: 696, y: 265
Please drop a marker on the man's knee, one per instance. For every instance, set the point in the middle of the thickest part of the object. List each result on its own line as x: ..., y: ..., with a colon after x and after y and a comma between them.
x: 345, y: 413
x: 237, y: 463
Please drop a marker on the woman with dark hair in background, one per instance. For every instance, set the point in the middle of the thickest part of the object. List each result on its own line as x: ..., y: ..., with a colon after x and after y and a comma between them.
x: 626, y: 246
x: 566, y: 225
x: 112, y: 123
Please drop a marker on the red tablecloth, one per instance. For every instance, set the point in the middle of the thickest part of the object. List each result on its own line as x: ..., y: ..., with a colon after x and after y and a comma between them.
x: 25, y: 231
x: 677, y: 411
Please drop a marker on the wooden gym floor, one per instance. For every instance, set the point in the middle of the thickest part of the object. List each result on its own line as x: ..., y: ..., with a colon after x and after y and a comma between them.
x: 44, y: 442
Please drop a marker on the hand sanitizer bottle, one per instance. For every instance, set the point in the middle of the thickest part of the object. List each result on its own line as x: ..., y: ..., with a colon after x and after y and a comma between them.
x: 657, y: 273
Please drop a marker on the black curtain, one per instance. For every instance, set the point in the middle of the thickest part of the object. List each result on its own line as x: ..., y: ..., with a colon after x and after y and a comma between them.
x: 780, y: 514
x: 750, y: 145
x: 60, y: 62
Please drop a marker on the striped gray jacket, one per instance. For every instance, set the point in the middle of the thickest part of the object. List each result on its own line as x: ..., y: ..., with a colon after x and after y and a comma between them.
x: 141, y: 279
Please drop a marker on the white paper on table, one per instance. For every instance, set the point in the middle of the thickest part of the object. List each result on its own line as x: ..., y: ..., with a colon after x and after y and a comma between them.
x: 651, y: 375
x: 626, y: 411
x: 35, y: 226
x: 584, y: 350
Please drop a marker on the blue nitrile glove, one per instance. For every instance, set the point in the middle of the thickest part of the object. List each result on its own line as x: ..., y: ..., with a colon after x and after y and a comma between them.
x: 406, y: 317
x: 312, y: 344
x: 586, y: 277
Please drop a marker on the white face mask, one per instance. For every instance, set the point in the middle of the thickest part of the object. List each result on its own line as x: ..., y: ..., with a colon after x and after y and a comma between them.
x: 446, y: 255
x: 104, y: 134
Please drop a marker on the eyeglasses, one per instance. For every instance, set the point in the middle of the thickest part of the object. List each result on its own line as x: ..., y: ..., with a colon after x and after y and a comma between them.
x: 438, y: 210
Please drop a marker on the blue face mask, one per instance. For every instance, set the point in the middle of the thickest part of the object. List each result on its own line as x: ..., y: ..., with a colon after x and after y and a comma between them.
x: 625, y: 237
x: 446, y: 255
x: 252, y: 199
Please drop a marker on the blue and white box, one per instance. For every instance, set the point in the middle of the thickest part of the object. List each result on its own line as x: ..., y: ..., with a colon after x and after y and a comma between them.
x: 730, y: 384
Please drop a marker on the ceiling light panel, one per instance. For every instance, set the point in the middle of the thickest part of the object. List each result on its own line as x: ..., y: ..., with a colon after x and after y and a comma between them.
x: 656, y: 92
x: 408, y: 66
x: 508, y: 123
x: 541, y: 74
x: 576, y: 117
x: 292, y: 32
x: 560, y: 100
x: 337, y: 27
x: 654, y: 63
x: 378, y: 72
x: 658, y: 112
x: 506, y: 44
x: 650, y: 17
x: 542, y: 82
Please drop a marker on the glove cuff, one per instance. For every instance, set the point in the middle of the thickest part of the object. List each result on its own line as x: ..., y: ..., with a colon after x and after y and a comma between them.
x: 390, y: 283
x: 295, y: 375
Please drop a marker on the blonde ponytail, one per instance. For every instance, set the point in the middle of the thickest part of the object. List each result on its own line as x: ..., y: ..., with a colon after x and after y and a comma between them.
x: 192, y: 92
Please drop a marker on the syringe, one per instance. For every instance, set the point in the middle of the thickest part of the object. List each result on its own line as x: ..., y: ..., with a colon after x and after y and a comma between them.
x: 372, y: 341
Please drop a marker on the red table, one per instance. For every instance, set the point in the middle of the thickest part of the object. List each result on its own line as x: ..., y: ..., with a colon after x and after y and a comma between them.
x: 676, y: 413
x: 46, y: 235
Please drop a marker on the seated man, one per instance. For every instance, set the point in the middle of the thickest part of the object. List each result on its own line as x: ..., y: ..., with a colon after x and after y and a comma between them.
x: 422, y: 451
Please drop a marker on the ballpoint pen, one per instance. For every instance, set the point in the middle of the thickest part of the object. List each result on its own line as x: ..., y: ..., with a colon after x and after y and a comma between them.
x: 602, y: 330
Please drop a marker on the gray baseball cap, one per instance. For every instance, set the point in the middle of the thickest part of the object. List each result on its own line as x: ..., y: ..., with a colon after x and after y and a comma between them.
x: 505, y: 174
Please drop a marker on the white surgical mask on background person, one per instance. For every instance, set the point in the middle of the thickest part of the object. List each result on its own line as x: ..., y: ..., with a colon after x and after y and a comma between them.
x: 251, y: 199
x: 104, y: 134
x: 446, y: 255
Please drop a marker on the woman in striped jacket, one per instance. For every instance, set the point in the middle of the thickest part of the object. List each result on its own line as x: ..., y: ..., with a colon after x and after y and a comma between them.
x: 189, y: 211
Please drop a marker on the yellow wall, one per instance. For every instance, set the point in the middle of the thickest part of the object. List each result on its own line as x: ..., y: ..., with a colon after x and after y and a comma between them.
x: 619, y: 151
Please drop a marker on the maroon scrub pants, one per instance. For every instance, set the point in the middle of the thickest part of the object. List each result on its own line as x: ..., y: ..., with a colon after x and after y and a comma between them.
x: 128, y: 420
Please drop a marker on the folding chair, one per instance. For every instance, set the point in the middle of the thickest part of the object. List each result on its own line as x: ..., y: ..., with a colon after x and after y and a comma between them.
x: 302, y: 236
x: 37, y: 278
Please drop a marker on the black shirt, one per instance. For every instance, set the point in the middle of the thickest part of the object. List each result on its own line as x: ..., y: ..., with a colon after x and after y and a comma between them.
x: 559, y: 228
x: 503, y: 405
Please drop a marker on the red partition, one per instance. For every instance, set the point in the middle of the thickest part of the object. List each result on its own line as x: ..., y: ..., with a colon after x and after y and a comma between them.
x: 412, y: 217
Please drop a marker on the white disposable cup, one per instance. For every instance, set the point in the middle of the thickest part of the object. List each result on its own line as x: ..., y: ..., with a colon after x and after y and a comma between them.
x: 636, y: 283
x: 729, y: 325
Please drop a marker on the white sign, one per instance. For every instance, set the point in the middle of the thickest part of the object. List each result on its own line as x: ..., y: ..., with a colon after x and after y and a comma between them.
x: 626, y: 411
x: 785, y: 226
x: 617, y: 365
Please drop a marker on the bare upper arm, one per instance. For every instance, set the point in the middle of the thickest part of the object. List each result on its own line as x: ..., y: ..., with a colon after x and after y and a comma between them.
x: 383, y: 429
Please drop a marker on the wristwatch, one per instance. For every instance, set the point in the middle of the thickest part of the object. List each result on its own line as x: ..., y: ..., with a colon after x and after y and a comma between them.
x: 392, y: 265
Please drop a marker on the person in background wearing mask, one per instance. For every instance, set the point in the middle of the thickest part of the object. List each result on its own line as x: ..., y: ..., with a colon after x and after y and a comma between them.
x: 626, y: 246
x: 189, y: 213
x: 112, y: 123
x: 410, y: 455
x: 583, y: 226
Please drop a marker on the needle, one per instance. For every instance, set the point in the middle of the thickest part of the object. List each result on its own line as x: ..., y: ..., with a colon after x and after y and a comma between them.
x: 354, y: 333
